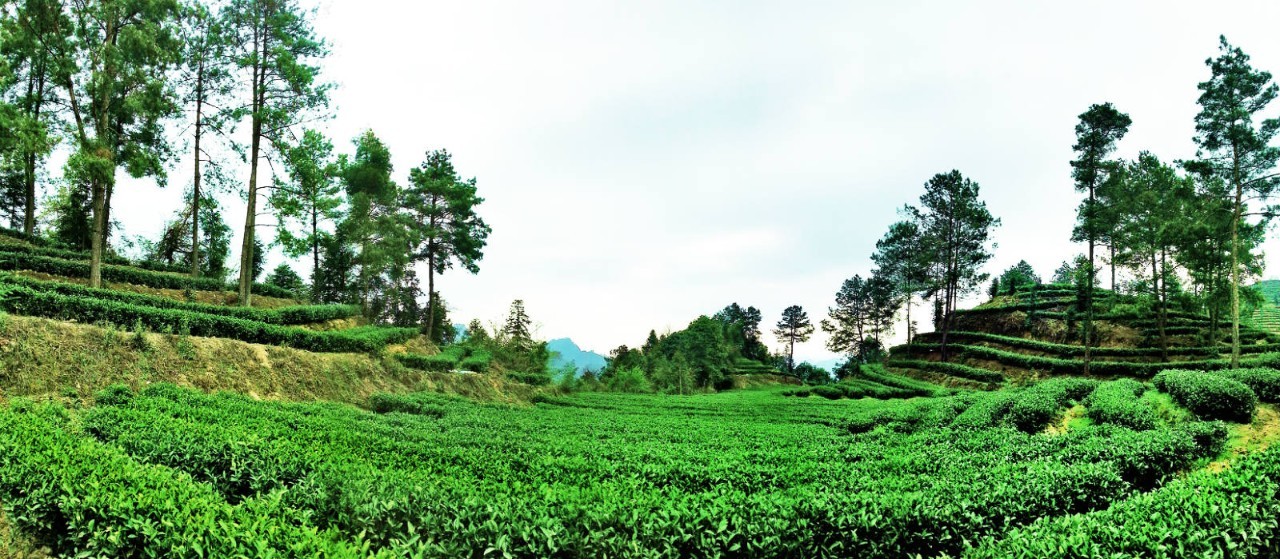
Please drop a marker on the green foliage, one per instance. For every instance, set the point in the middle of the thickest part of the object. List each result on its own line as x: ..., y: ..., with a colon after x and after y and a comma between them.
x: 28, y: 302
x: 1187, y: 518
x: 1036, y: 406
x: 1117, y: 403
x: 1209, y: 396
x: 1265, y: 382
x: 421, y: 403
x: 301, y: 314
x: 629, y: 380
x: 151, y: 511
x: 948, y: 368
x: 286, y: 279
x: 1018, y: 276
x: 793, y: 328
x: 123, y: 274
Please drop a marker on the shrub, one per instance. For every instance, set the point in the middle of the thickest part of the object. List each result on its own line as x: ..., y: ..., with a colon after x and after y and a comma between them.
x: 1033, y: 410
x: 417, y: 404
x: 1263, y: 381
x: 1209, y: 396
x: 829, y: 392
x: 953, y: 369
x: 629, y: 380
x: 26, y: 301
x: 114, y: 395
x: 1117, y: 403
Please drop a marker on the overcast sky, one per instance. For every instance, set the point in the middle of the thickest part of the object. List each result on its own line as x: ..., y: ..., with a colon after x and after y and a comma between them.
x: 647, y: 162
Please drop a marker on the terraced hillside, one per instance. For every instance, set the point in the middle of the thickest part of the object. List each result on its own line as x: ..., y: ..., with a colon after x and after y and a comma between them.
x: 1267, y: 315
x: 1035, y: 334
x: 153, y: 322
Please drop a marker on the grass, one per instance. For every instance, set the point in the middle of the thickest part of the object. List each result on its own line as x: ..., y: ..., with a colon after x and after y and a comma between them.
x: 41, y: 356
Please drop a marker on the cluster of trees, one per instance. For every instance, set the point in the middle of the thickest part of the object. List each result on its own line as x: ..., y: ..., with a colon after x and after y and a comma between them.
x: 133, y: 85
x: 935, y: 253
x: 698, y: 357
x: 1200, y: 220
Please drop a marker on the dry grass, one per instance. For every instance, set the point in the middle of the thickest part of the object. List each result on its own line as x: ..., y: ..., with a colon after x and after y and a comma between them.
x: 40, y: 357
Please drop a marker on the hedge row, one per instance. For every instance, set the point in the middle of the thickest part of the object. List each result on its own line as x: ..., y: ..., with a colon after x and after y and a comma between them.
x: 1066, y: 366
x: 125, y: 274
x: 84, y: 499
x: 107, y: 258
x: 300, y: 314
x: 25, y: 301
x: 1117, y: 403
x: 864, y: 388
x: 1066, y: 350
x: 419, y: 403
x: 1224, y: 514
x: 1036, y: 406
x: 953, y: 369
x: 452, y: 358
x: 1264, y: 382
x: 1036, y: 306
x: 1209, y: 396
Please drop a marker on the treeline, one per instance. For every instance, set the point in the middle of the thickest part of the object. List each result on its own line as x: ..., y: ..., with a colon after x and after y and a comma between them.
x: 1188, y: 231
x: 703, y: 355
x: 130, y: 86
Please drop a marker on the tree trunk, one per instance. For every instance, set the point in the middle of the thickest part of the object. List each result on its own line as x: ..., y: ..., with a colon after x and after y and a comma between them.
x: 1235, y: 262
x: 909, y: 319
x: 1088, y: 297
x: 1235, y: 280
x: 791, y: 355
x: 315, y: 250
x: 251, y: 204
x: 29, y: 161
x: 195, y: 179
x: 431, y: 290
x: 1156, y: 295
x: 1113, y: 267
x: 99, y: 217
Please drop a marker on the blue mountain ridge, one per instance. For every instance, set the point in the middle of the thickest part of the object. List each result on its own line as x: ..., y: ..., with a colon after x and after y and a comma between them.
x: 565, y: 351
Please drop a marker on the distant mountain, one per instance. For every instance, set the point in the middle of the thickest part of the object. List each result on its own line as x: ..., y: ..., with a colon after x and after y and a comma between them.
x: 565, y: 351
x: 459, y: 332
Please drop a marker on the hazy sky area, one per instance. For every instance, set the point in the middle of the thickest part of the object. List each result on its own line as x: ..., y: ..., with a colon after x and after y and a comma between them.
x: 647, y: 162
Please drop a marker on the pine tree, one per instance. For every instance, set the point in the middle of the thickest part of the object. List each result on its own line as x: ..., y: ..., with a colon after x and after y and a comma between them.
x: 447, y: 229
x: 518, y: 324
x: 1099, y: 129
x: 794, y: 327
x: 1236, y: 150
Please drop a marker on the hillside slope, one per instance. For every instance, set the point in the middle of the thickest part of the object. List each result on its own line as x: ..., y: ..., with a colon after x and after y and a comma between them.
x: 1032, y: 335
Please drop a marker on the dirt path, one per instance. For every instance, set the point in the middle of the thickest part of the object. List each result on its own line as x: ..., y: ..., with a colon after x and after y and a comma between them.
x: 1254, y: 437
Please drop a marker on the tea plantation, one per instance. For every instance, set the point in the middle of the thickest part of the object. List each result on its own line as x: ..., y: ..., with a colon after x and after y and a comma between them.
x: 172, y: 472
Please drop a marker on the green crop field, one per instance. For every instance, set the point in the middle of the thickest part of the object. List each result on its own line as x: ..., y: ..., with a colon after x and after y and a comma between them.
x: 171, y: 472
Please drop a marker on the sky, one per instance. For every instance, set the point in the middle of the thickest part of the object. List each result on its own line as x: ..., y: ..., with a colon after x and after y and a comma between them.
x: 646, y: 162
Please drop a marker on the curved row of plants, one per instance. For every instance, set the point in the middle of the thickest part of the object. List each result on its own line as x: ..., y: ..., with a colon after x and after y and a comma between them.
x: 300, y: 314
x: 675, y: 477
x: 22, y: 300
x: 12, y: 261
x: 1068, y: 366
